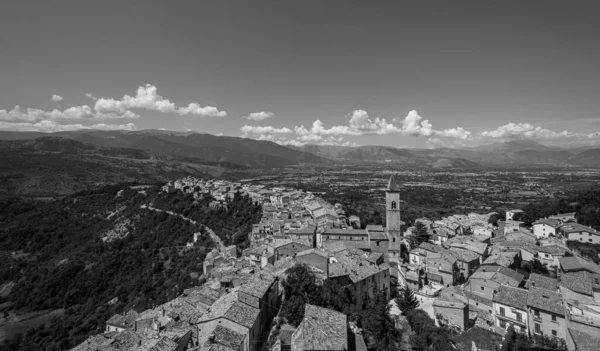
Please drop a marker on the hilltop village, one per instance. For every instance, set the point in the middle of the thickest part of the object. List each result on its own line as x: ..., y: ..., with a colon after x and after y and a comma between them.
x: 467, y: 270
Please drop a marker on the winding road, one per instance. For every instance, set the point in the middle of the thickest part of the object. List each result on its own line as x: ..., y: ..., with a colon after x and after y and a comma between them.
x: 212, y: 234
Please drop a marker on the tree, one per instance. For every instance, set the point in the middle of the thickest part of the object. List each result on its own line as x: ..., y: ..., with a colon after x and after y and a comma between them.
x: 407, y: 301
x: 419, y: 235
x: 378, y: 325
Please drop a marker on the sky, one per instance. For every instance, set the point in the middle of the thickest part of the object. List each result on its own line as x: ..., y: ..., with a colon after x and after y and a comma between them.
x: 395, y: 73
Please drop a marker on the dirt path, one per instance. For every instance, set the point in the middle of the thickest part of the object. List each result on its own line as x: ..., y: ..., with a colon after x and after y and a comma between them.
x: 212, y: 234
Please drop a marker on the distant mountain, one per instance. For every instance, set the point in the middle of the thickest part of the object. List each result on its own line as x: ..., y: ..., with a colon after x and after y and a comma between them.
x: 588, y: 158
x: 201, y: 146
x: 51, y: 166
x: 436, y: 158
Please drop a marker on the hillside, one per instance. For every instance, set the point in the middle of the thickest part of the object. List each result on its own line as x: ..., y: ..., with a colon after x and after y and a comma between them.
x: 56, y: 255
x: 50, y: 166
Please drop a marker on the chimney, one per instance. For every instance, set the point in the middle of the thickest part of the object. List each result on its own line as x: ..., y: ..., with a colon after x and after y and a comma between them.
x: 211, y: 338
x: 163, y: 311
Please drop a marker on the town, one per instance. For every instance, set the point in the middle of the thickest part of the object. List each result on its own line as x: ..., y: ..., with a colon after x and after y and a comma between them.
x: 468, y: 272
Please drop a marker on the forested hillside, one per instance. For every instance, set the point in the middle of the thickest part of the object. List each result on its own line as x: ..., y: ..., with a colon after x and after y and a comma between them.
x: 76, y: 254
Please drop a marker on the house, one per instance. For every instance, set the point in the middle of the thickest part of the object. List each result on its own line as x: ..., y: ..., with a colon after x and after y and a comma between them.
x: 260, y: 255
x: 455, y: 314
x: 289, y: 249
x: 577, y: 264
x: 306, y: 234
x: 262, y: 293
x: 541, y: 281
x: 321, y: 329
x: 234, y: 315
x: 514, y: 214
x: 579, y: 232
x: 119, y: 323
x: 510, y: 308
x: 358, y: 238
x: 564, y: 217
x: 512, y: 225
x: 315, y: 258
x: 350, y: 268
x: 544, y: 228
x: 443, y: 266
x: 580, y: 341
x: 546, y: 314
x: 487, y: 280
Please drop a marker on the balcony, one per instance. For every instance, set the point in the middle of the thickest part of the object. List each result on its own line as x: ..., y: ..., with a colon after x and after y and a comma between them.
x: 509, y: 319
x: 537, y: 318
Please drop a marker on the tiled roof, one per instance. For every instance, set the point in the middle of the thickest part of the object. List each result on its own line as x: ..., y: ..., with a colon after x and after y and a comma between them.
x: 242, y: 314
x: 499, y: 274
x: 333, y: 231
x: 324, y: 329
x: 555, y: 223
x: 478, y: 298
x: 354, y: 264
x: 573, y: 263
x: 577, y: 282
x: 576, y: 228
x: 510, y: 296
x: 257, y: 287
x: 374, y: 228
x: 227, y: 337
x: 543, y: 282
x: 545, y: 300
x: 444, y: 303
x: 312, y: 251
x: 584, y: 341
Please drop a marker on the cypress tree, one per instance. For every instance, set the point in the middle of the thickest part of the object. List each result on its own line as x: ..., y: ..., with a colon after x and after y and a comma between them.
x: 407, y: 301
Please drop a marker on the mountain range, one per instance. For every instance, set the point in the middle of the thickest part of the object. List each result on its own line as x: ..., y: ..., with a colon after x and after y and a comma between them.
x: 39, y: 164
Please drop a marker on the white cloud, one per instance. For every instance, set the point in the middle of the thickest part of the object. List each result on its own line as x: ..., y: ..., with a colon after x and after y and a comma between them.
x: 91, y: 96
x: 263, y: 130
x: 56, y: 98
x: 260, y: 116
x: 53, y: 126
x: 147, y: 98
x: 526, y: 130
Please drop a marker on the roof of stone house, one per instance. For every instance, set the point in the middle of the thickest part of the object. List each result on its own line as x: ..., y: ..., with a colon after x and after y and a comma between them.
x: 576, y: 263
x: 511, y: 296
x: 374, y: 256
x: 336, y: 246
x: 374, y: 228
x: 553, y: 250
x: 576, y: 227
x: 335, y: 231
x: 258, y: 287
x: 499, y: 259
x: 443, y: 303
x: 164, y: 344
x: 121, y: 321
x: 285, y: 242
x: 310, y: 230
x: 227, y: 337
x: 555, y: 223
x: 545, y: 300
x: 228, y: 306
x: 464, y: 254
x: 313, y: 251
x: 324, y: 329
x: 412, y: 276
x: 477, y: 247
x: 541, y: 281
x: 481, y: 299
x: 577, y: 282
x: 584, y: 341
x: 393, y: 184
x: 501, y: 274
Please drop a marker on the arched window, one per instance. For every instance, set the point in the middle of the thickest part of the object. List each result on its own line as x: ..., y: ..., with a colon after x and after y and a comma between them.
x: 393, y: 205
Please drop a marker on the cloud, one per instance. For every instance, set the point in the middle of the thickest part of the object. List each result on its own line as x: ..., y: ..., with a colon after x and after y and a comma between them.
x: 260, y: 116
x: 147, y: 98
x: 263, y: 130
x: 53, y: 126
x: 526, y: 130
x: 56, y: 98
x: 360, y: 123
x: 91, y: 96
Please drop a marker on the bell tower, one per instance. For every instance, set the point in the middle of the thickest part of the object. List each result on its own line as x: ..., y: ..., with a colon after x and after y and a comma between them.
x: 392, y: 204
x: 393, y: 222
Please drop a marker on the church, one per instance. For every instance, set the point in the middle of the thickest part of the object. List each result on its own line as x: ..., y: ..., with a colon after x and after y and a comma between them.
x: 375, y: 238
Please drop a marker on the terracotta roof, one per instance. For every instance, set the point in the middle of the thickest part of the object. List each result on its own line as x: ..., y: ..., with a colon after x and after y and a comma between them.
x: 227, y: 337
x: 242, y: 314
x: 333, y: 231
x: 545, y: 300
x: 541, y: 281
x: 510, y: 296
x: 374, y: 228
x: 257, y: 287
x: 324, y: 329
x: 574, y: 263
x: 393, y: 184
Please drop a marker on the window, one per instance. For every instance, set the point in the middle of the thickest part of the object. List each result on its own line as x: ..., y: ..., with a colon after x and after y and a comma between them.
x: 482, y: 288
x: 536, y: 313
x: 393, y: 239
x: 518, y: 316
x: 393, y: 205
x: 538, y: 329
x: 502, y: 324
x: 554, y: 332
x: 554, y: 318
x: 377, y: 243
x: 502, y: 312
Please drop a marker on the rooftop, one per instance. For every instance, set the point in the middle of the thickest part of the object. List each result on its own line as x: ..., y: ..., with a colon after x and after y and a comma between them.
x: 541, y: 281
x: 511, y: 296
x: 574, y: 263
x: 578, y: 282
x: 584, y: 341
x: 324, y: 329
x: 545, y: 300
x: 228, y: 337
